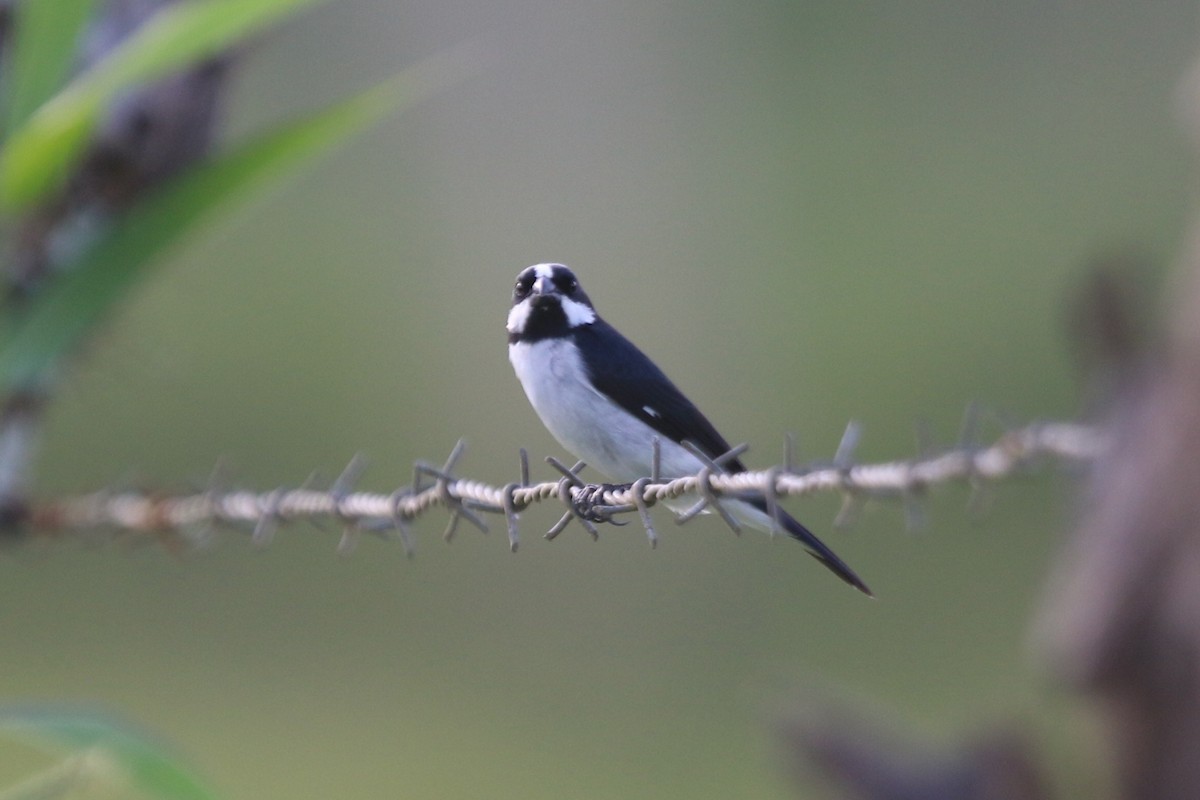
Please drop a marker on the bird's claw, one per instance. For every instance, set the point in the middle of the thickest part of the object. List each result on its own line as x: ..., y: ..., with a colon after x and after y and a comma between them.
x: 589, y: 502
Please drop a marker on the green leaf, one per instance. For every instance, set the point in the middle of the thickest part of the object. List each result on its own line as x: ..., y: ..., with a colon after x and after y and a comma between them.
x: 44, y: 43
x: 40, y: 151
x: 149, y: 765
x: 35, y: 341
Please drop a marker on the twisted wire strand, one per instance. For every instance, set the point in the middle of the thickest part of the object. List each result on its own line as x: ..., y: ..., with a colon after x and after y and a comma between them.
x: 146, y: 513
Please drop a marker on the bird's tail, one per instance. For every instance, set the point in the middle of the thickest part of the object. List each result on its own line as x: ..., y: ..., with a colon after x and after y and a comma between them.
x: 817, y: 549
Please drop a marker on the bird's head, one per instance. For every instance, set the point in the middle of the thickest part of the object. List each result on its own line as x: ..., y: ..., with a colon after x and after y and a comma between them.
x: 547, y: 301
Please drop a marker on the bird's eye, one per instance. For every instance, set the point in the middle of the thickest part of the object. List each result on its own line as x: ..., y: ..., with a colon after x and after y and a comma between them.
x: 524, y: 284
x: 568, y: 285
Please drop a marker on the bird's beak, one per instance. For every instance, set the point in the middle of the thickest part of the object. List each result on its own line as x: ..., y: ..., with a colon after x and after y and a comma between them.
x: 544, y: 294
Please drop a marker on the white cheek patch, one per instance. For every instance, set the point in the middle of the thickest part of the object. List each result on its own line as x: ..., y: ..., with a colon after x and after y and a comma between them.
x: 577, y: 313
x: 518, y: 316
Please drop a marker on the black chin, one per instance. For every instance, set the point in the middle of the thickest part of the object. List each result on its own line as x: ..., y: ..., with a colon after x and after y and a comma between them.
x: 546, y: 319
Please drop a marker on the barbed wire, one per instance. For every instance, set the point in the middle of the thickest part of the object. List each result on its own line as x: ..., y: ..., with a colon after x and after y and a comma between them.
x: 193, y: 517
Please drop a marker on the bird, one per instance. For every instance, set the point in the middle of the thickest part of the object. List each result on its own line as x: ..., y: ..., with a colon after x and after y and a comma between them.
x: 605, y: 401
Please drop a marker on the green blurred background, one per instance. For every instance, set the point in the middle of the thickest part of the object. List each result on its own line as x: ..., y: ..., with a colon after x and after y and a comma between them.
x: 805, y: 211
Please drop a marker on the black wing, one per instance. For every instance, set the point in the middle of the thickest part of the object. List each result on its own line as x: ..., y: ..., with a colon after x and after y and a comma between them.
x: 617, y: 368
x: 620, y: 370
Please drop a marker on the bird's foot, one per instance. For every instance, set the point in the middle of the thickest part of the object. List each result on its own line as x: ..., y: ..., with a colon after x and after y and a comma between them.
x: 589, y: 502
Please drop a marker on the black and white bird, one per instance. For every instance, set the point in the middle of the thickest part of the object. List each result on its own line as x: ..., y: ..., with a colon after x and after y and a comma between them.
x: 605, y: 401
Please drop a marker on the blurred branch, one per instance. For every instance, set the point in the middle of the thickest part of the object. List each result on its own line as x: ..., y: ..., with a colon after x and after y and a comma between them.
x: 142, y: 41
x: 1121, y: 623
x: 99, y: 754
x: 142, y: 139
x: 856, y: 753
x: 434, y: 487
x: 113, y: 170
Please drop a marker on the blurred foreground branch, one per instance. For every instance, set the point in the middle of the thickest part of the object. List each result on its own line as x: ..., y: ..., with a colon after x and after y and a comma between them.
x: 105, y: 168
x: 1121, y: 621
x: 153, y: 133
x: 194, y: 515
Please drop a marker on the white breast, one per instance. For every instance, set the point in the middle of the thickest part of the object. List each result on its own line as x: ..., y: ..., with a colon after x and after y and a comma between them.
x: 584, y: 421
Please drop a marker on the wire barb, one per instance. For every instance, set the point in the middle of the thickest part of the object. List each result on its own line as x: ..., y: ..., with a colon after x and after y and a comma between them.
x: 444, y: 480
x: 157, y: 516
x: 789, y: 452
x: 524, y: 467
x: 268, y: 522
x: 399, y: 520
x: 510, y: 515
x: 638, y: 491
x: 338, y: 493
x: 566, y: 486
x: 772, y: 497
